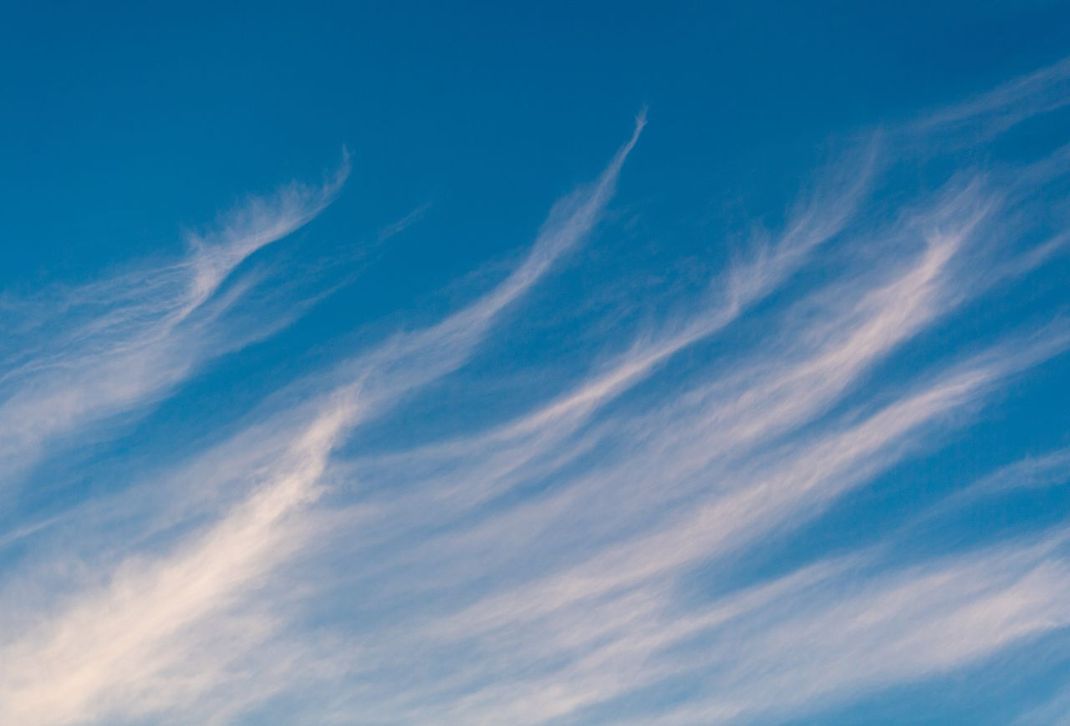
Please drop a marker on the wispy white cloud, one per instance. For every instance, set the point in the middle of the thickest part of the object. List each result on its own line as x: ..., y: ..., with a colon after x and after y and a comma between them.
x: 897, y: 627
x: 1005, y: 106
x: 77, y: 356
x: 711, y: 470
x: 122, y: 641
x: 129, y: 646
x: 511, y: 450
x: 551, y: 565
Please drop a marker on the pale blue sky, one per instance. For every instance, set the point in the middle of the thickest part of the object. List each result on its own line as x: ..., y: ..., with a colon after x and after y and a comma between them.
x: 561, y: 363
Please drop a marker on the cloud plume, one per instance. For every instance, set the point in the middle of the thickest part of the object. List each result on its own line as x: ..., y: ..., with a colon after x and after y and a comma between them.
x: 578, y: 554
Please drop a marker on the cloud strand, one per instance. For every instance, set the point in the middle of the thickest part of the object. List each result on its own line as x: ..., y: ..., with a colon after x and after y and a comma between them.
x: 556, y: 564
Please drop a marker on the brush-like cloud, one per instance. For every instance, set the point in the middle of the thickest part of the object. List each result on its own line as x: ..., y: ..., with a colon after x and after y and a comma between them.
x: 128, y: 649
x: 555, y: 565
x: 78, y: 356
x: 708, y: 472
x: 996, y: 111
x: 115, y: 644
x: 896, y: 627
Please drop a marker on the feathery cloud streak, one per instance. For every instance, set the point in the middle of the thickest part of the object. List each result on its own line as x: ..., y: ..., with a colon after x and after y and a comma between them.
x: 558, y: 564
x: 134, y: 634
x: 83, y: 354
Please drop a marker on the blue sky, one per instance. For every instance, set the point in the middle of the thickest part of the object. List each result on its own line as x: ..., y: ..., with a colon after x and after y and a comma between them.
x: 562, y: 363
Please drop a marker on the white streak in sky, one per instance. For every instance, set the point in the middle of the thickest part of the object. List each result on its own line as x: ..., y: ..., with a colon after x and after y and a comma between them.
x: 128, y: 648
x: 556, y: 563
x: 95, y: 351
